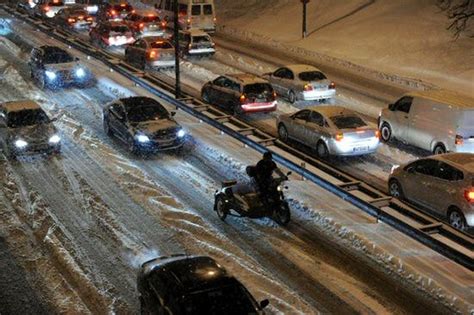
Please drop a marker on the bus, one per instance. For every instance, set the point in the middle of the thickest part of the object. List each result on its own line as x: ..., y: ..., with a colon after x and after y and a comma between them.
x: 192, y: 14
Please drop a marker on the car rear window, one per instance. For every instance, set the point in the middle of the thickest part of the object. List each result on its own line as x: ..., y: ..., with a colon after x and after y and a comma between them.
x: 312, y: 76
x: 26, y: 118
x: 207, y: 8
x: 56, y: 3
x: 196, y: 9
x: 348, y: 121
x: 151, y: 19
x: 122, y: 7
x: 201, y: 39
x: 161, y: 45
x: 119, y: 29
x: 258, y: 88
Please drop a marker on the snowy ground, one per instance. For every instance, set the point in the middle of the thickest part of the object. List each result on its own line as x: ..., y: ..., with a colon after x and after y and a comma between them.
x: 96, y: 212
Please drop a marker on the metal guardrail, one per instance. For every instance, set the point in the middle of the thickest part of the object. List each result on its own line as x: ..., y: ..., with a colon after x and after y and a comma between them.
x: 438, y: 236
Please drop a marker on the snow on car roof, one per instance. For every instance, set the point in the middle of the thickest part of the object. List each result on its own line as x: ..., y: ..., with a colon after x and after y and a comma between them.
x: 462, y: 160
x: 445, y: 96
x: 196, y: 32
x: 332, y: 110
x: 15, y: 106
x: 298, y: 68
x: 246, y: 78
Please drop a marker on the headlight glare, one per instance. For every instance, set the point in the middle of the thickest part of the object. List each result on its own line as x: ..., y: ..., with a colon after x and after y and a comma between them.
x: 54, y: 139
x: 20, y: 143
x: 80, y: 73
x: 181, y: 133
x: 51, y: 75
x: 142, y: 138
x: 279, y: 188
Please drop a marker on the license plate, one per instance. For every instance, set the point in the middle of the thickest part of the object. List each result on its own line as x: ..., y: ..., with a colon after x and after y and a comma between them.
x: 358, y: 149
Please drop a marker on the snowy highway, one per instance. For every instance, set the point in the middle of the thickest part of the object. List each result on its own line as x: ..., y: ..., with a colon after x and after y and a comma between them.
x: 87, y: 218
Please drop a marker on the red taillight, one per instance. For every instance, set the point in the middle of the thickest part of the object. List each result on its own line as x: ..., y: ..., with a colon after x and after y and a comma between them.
x: 152, y: 54
x: 46, y: 9
x: 113, y: 12
x: 90, y: 19
x: 332, y: 85
x: 215, y: 20
x: 133, y: 11
x: 80, y: 17
x: 163, y: 24
x: 308, y: 87
x: 243, y: 98
x: 339, y: 136
x: 469, y: 195
x: 141, y: 25
x: 458, y: 140
x: 274, y: 95
x: 71, y: 20
x: 377, y: 134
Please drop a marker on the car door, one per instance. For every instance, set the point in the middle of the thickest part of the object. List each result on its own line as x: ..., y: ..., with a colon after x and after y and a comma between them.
x: 117, y: 120
x: 276, y: 80
x: 401, y: 123
x: 417, y: 182
x: 313, y: 129
x: 297, y: 124
x: 36, y: 63
x: 287, y: 81
x: 213, y: 89
x: 445, y: 187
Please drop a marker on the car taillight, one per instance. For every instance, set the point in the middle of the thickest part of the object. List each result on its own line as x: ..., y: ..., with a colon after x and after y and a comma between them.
x: 163, y: 24
x: 141, y: 25
x: 458, y: 140
x: 189, y: 21
x: 274, y: 95
x: 190, y: 46
x: 46, y: 9
x: 113, y: 12
x: 133, y: 11
x: 152, y: 54
x: 71, y: 20
x: 308, y: 87
x: 80, y: 17
x: 469, y: 195
x: 90, y: 19
x: 377, y: 134
x: 332, y: 85
x: 339, y: 136
x: 243, y: 98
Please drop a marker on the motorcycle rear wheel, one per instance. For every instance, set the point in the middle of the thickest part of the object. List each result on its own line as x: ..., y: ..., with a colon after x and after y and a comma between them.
x: 282, y: 215
x: 221, y: 208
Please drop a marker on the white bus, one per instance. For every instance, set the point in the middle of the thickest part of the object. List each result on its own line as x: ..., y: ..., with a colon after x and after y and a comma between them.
x: 198, y: 14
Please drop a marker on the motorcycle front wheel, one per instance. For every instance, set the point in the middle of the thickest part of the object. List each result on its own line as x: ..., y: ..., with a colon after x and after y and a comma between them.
x: 282, y: 215
x: 221, y: 208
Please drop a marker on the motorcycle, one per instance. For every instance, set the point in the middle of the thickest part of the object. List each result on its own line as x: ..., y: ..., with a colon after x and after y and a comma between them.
x: 250, y: 204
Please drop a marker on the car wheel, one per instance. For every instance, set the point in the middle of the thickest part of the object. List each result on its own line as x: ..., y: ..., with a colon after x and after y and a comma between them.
x: 291, y: 97
x: 107, y: 129
x: 205, y: 96
x: 282, y: 215
x: 221, y: 208
x: 322, y: 150
x: 456, y: 219
x: 132, y: 146
x: 385, y: 132
x: 395, y: 189
x: 439, y: 149
x: 283, y: 133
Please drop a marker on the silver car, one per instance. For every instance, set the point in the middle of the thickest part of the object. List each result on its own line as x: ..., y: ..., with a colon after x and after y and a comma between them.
x: 330, y: 130
x: 442, y: 183
x: 151, y: 52
x: 26, y: 129
x: 301, y: 82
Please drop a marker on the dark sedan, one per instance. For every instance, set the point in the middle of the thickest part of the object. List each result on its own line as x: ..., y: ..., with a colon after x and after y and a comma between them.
x: 143, y: 124
x: 192, y: 285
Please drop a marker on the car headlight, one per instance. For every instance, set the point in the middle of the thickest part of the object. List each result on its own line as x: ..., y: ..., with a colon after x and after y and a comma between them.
x: 80, y: 73
x: 51, y: 75
x: 279, y: 188
x: 142, y: 138
x: 20, y: 144
x: 181, y: 133
x: 54, y: 139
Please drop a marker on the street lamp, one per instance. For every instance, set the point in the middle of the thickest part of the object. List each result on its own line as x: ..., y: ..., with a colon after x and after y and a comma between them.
x: 304, y: 2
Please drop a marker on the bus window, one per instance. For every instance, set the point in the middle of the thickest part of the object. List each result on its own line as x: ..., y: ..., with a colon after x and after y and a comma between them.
x: 183, y: 9
x: 207, y: 8
x: 196, y: 9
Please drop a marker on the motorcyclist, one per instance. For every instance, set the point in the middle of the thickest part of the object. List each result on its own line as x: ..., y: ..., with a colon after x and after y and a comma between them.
x: 263, y: 175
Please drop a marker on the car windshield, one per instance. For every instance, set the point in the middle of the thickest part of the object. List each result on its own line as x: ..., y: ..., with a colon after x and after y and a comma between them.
x: 119, y: 29
x: 161, y: 45
x: 347, y: 121
x: 28, y: 117
x: 147, y: 113
x: 151, y: 19
x: 231, y: 299
x: 258, y: 88
x: 311, y: 76
x: 201, y: 39
x: 57, y: 57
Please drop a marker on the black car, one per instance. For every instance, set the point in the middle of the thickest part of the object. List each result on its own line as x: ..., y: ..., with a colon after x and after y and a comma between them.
x: 192, y: 285
x: 114, y: 11
x: 143, y: 124
x: 52, y: 66
x: 240, y: 93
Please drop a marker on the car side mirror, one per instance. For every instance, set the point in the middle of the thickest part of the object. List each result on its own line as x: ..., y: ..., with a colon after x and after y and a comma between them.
x: 391, y: 107
x: 264, y: 303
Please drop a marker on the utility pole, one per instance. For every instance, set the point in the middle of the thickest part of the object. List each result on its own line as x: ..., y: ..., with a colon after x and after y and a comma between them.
x: 305, y: 2
x: 176, y: 50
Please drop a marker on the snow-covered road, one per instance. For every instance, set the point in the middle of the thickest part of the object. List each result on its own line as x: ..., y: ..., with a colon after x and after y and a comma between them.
x: 95, y: 212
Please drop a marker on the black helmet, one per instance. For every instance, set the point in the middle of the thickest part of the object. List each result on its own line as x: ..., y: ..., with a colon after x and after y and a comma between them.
x: 267, y: 155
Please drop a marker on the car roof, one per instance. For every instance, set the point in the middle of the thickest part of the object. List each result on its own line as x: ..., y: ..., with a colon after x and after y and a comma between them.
x: 464, y: 161
x: 298, y: 68
x: 445, y: 96
x: 196, y: 32
x: 332, y: 110
x: 190, y: 273
x: 137, y: 101
x: 52, y: 49
x: 151, y: 39
x: 246, y: 78
x: 15, y: 106
x: 146, y: 12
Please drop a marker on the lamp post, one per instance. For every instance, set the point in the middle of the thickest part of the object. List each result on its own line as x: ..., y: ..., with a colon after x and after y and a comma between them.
x: 176, y: 50
x: 304, y: 2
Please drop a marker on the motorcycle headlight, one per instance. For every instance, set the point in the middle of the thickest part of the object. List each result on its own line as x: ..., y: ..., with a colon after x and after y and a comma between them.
x: 51, y: 75
x: 279, y: 188
x: 80, y: 73
x: 181, y: 133
x: 54, y: 139
x: 142, y: 138
x: 20, y: 143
